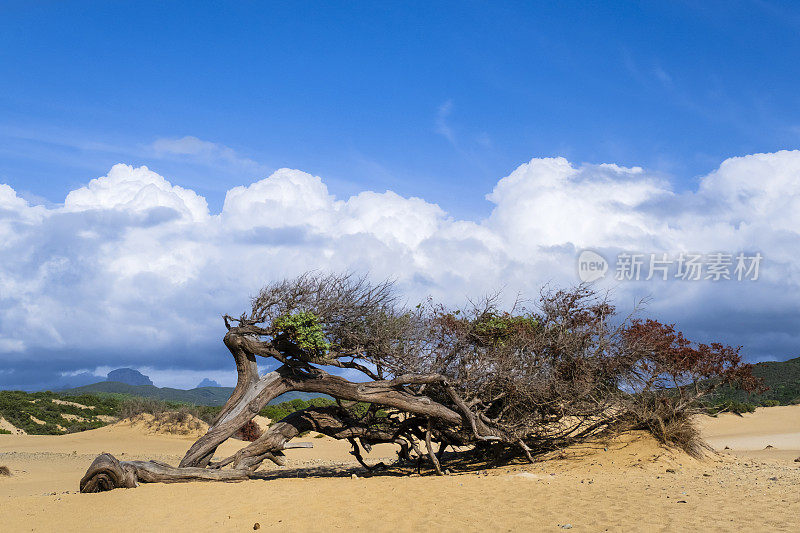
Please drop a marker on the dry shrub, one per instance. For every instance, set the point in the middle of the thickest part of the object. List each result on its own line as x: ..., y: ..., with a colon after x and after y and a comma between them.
x: 176, y: 422
x: 131, y: 407
x: 5, y: 471
x: 249, y: 432
x: 527, y: 378
x: 679, y: 431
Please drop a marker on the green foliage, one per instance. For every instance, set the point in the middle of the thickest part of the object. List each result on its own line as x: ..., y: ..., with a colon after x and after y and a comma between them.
x: 284, y: 409
x: 781, y: 378
x: 496, y: 328
x: 731, y: 406
x: 359, y: 410
x: 20, y: 409
x: 4, y: 432
x: 304, y: 330
x: 103, y: 405
x: 204, y: 396
x: 279, y: 411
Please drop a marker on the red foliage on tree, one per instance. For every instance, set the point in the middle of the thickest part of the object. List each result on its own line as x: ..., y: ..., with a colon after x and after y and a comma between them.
x: 665, y: 359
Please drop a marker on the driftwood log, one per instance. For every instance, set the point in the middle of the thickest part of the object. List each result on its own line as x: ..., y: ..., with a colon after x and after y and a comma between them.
x: 503, y: 383
x: 107, y: 473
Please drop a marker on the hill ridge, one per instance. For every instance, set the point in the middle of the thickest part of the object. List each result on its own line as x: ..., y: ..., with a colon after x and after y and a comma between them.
x: 212, y: 396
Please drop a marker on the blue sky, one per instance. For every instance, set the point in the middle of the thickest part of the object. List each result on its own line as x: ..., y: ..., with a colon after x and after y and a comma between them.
x: 428, y: 99
x: 662, y: 105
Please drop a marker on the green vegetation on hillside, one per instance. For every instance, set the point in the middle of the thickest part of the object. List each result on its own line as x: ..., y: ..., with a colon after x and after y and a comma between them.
x: 199, y: 396
x: 21, y: 408
x: 121, y: 401
x: 782, y: 380
x: 284, y: 409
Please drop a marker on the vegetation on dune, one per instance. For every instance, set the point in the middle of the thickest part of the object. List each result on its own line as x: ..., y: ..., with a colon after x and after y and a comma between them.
x: 23, y: 410
x: 198, y: 396
x: 20, y: 408
x: 495, y: 384
x: 510, y: 381
x: 781, y: 382
x: 132, y: 406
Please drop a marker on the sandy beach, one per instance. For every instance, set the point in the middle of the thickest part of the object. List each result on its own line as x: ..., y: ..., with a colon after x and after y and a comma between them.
x: 630, y: 484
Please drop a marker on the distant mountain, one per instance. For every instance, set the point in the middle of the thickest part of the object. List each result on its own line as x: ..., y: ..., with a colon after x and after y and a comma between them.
x: 128, y: 376
x: 208, y: 383
x: 204, y: 396
x: 198, y: 396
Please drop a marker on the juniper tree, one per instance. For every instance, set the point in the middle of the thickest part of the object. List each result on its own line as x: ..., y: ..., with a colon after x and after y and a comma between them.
x: 506, y: 383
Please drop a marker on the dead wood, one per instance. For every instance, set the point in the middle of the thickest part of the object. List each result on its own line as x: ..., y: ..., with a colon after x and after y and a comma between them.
x: 107, y: 473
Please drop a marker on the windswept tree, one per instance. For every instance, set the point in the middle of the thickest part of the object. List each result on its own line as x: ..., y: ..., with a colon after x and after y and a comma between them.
x: 503, y: 383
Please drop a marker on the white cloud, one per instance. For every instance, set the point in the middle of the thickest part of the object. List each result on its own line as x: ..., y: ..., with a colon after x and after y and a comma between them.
x: 135, y: 271
x: 548, y: 202
x: 136, y: 189
x: 391, y: 218
x: 9, y: 199
x: 203, y: 151
x: 189, y: 145
x: 286, y: 198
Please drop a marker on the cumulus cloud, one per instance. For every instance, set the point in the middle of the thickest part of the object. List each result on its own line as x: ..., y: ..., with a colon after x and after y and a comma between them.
x: 136, y: 189
x: 134, y: 271
x: 548, y: 202
x: 287, y: 198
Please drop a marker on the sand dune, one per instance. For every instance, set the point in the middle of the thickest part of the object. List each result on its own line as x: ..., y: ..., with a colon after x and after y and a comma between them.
x: 773, y: 426
x: 8, y: 426
x: 631, y: 484
x: 769, y: 433
x: 166, y: 424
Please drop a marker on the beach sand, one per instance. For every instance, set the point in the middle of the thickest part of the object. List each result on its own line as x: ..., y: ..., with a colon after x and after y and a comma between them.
x: 630, y: 484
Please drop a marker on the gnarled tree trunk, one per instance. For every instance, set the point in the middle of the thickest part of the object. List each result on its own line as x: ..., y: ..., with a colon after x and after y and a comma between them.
x: 251, y: 394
